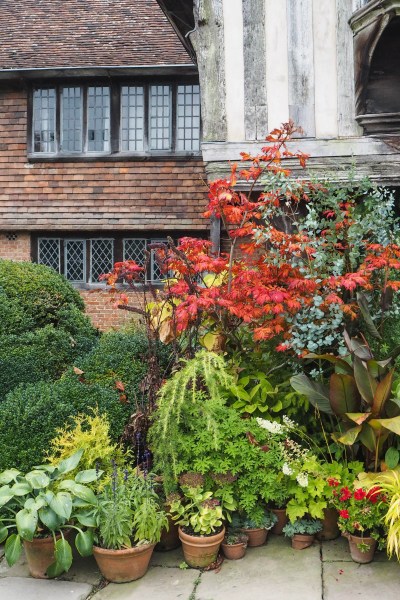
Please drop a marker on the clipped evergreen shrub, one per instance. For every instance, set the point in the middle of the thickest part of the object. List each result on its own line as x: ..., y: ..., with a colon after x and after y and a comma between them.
x: 31, y: 415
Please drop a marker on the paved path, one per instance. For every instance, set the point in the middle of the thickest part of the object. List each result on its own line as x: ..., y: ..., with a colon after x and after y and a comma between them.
x: 272, y: 572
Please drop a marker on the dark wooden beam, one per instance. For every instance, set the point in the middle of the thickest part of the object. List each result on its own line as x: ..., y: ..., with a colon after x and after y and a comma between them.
x: 180, y: 15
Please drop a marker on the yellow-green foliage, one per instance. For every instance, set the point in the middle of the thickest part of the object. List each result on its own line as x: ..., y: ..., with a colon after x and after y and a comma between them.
x: 91, y: 434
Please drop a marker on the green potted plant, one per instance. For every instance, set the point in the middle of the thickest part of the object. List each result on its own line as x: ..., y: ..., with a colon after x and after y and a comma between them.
x: 39, y: 509
x: 361, y: 515
x: 256, y: 526
x: 200, y: 518
x: 278, y: 502
x: 302, y: 532
x: 234, y: 544
x: 129, y: 522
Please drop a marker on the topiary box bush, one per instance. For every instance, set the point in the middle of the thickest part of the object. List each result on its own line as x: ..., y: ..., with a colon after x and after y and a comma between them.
x: 31, y: 414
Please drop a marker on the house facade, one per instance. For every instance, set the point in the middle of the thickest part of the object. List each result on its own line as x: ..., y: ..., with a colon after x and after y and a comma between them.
x: 332, y: 66
x: 99, y: 138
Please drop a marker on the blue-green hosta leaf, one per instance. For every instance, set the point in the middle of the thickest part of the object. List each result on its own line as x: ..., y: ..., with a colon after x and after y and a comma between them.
x: 392, y: 457
x: 8, y: 476
x: 84, y: 493
x: 21, y: 488
x: 88, y: 476
x: 54, y: 570
x: 63, y: 553
x: 37, y: 479
x: 62, y: 505
x: 70, y: 463
x: 84, y: 542
x: 35, y: 503
x: 50, y: 519
x: 13, y: 549
x: 26, y: 522
x: 5, y: 494
x: 86, y: 518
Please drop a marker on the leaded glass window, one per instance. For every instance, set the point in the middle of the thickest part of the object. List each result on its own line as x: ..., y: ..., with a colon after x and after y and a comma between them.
x: 188, y: 118
x: 101, y: 258
x: 75, y: 260
x: 49, y: 253
x: 160, y: 117
x: 132, y: 118
x: 98, y: 108
x: 44, y: 120
x: 71, y: 119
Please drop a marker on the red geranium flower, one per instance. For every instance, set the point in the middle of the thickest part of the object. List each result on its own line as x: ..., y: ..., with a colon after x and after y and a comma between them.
x: 345, y: 494
x: 344, y: 514
x: 359, y: 494
x: 332, y: 482
x: 373, y: 494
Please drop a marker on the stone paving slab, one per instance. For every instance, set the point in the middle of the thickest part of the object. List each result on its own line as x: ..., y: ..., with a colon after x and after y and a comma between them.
x: 272, y: 572
x: 173, y: 558
x: 17, y: 588
x: 338, y: 550
x: 348, y: 581
x: 157, y: 584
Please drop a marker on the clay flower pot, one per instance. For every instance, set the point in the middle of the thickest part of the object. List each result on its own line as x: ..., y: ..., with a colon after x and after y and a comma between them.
x: 257, y: 536
x: 40, y: 555
x: 281, y: 522
x: 234, y: 551
x: 120, y: 566
x: 300, y: 541
x: 200, y: 551
x: 362, y: 549
x: 330, y: 529
x: 169, y: 539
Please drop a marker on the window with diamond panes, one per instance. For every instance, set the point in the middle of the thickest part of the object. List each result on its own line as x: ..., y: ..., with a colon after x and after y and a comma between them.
x: 75, y: 260
x: 132, y: 119
x: 135, y: 249
x: 44, y: 120
x: 188, y: 118
x: 98, y: 115
x: 160, y: 117
x: 49, y: 253
x: 101, y: 258
x: 71, y: 119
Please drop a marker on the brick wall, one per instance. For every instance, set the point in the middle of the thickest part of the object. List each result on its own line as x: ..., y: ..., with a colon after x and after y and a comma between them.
x: 144, y: 195
x: 99, y: 307
x: 15, y: 246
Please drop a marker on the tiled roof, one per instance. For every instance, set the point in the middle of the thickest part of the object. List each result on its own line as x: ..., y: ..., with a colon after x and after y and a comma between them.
x: 86, y: 33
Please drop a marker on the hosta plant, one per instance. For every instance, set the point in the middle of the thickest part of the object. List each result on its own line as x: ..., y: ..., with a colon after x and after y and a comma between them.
x: 44, y: 502
x: 262, y: 519
x: 302, y: 527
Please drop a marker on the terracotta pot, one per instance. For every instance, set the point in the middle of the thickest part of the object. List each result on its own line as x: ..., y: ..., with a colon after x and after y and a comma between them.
x: 257, y: 536
x: 40, y: 555
x: 330, y: 529
x: 234, y: 551
x: 281, y: 522
x: 358, y: 550
x: 169, y: 539
x: 120, y: 566
x: 200, y: 551
x: 299, y: 542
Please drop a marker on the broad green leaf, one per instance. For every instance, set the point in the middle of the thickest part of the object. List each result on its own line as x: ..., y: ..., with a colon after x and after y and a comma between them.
x: 21, y: 488
x: 54, y: 570
x: 3, y: 533
x: 63, y: 553
x: 244, y: 381
x: 8, y: 476
x: 13, y: 549
x: 370, y: 325
x: 343, y: 394
x: 62, y: 505
x: 250, y: 408
x: 70, y: 463
x: 338, y: 362
x: 5, y: 494
x: 350, y: 436
x: 382, y: 394
x: 84, y: 493
x: 277, y: 407
x: 50, y: 519
x: 358, y: 418
x: 37, y: 479
x: 367, y: 437
x: 358, y: 347
x: 67, y: 484
x: 254, y: 390
x: 84, y: 542
x: 88, y: 476
x: 365, y: 382
x: 87, y: 519
x: 26, y: 522
x: 392, y: 457
x: 391, y: 424
x: 317, y: 393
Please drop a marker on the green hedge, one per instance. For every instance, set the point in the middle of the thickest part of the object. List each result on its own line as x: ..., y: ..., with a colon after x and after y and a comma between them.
x: 30, y: 415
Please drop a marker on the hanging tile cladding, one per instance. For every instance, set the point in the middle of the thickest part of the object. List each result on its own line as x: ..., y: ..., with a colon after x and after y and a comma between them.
x: 78, y: 33
x: 95, y: 195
